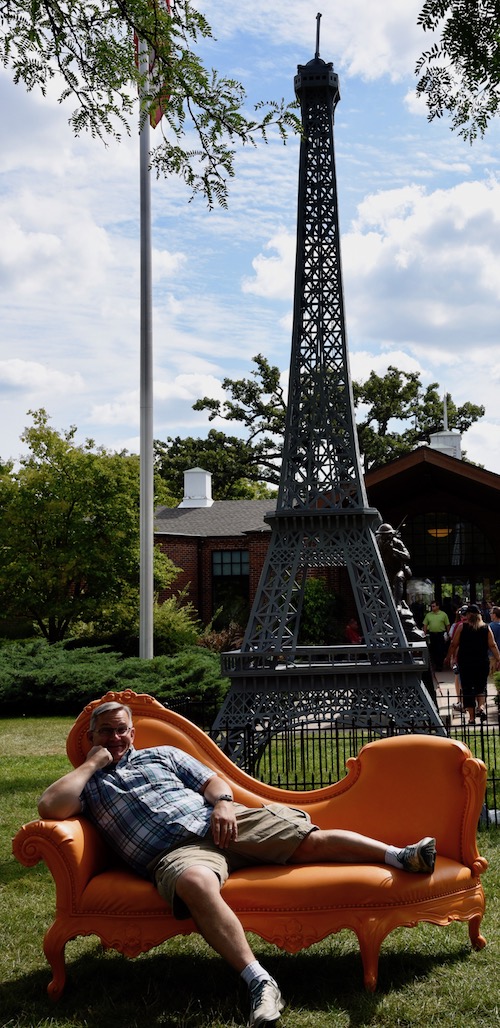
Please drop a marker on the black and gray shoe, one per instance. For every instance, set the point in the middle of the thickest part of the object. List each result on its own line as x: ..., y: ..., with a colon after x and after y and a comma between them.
x: 421, y: 856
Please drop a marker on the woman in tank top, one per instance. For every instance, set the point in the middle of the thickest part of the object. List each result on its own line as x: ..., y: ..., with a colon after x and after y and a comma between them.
x: 470, y: 647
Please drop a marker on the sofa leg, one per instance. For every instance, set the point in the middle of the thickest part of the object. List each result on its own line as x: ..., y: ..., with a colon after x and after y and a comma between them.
x: 478, y: 941
x: 53, y: 947
x: 370, y: 941
x: 370, y: 977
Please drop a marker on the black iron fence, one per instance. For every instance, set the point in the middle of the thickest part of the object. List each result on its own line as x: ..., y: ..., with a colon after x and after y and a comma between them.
x: 307, y: 756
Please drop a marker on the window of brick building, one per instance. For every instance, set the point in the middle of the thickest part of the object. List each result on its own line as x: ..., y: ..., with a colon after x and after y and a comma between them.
x: 230, y: 585
x: 446, y: 540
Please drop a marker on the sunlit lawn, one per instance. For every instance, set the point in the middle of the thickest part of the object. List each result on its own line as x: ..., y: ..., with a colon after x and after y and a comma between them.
x: 428, y: 975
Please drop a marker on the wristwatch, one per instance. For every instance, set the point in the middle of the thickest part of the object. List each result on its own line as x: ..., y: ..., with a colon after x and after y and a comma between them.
x: 225, y: 796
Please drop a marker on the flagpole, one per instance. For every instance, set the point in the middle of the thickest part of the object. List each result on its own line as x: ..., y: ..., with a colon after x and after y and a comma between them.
x: 146, y: 381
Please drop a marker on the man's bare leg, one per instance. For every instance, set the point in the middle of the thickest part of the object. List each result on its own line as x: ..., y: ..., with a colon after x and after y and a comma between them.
x: 337, y: 845
x: 219, y: 926
x: 199, y: 888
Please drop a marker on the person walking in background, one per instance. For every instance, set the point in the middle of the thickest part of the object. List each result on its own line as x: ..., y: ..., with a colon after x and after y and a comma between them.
x: 495, y: 628
x: 459, y: 618
x: 470, y: 645
x: 436, y: 624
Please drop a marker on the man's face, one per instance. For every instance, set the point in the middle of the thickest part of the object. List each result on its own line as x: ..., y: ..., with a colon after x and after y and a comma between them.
x: 434, y: 606
x: 114, y: 731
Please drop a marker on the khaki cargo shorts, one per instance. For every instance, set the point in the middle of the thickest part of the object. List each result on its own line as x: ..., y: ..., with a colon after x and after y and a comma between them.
x: 266, y: 835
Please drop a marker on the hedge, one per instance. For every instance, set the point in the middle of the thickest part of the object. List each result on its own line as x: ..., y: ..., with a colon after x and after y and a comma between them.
x: 37, y: 679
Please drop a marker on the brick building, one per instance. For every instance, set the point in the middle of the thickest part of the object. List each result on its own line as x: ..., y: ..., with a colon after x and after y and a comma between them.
x: 446, y: 511
x: 220, y: 545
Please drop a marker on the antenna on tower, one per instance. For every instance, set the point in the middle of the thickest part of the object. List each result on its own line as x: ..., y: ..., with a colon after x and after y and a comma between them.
x: 318, y: 20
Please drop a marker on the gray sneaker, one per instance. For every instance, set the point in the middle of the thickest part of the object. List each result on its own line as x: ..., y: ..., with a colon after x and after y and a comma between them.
x: 266, y: 1003
x: 419, y: 857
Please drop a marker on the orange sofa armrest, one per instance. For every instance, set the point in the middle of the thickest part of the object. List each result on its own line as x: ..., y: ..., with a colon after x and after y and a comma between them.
x: 73, y: 850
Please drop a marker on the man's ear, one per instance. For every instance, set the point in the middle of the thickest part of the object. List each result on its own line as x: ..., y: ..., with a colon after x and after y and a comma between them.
x: 90, y: 735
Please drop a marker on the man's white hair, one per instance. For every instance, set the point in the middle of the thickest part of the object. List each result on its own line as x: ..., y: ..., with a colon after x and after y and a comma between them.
x: 106, y: 708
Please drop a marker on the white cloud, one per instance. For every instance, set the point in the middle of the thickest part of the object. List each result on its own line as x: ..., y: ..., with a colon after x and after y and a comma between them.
x: 482, y: 444
x: 32, y: 378
x: 51, y: 248
x: 424, y: 267
x: 173, y: 399
x: 189, y: 388
x: 366, y: 40
x: 415, y: 104
x: 165, y: 265
x: 274, y: 275
x: 363, y: 362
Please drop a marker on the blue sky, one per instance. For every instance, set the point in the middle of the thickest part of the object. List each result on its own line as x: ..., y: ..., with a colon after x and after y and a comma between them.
x: 420, y: 226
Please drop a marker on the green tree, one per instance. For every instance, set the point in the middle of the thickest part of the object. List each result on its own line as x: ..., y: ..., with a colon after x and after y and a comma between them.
x: 460, y: 74
x: 87, y: 47
x: 69, y: 532
x: 384, y: 398
x: 259, y: 404
x: 232, y: 462
x: 319, y: 613
x: 428, y: 415
x: 398, y: 396
x: 385, y: 405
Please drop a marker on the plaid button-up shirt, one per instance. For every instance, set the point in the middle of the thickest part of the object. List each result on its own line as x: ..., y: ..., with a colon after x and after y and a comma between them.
x: 149, y: 802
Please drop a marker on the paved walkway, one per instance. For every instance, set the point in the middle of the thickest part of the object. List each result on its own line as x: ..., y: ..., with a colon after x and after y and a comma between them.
x: 446, y: 696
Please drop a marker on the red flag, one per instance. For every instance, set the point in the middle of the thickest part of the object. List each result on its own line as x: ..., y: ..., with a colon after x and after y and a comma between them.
x: 162, y: 98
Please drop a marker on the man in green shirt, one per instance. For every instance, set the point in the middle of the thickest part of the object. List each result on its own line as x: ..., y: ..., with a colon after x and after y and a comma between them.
x: 436, y: 623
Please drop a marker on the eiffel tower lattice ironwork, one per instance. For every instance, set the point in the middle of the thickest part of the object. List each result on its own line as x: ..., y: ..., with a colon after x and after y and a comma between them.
x: 322, y: 518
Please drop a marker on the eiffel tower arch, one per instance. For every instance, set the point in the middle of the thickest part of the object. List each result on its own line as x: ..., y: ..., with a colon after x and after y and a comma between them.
x: 322, y: 519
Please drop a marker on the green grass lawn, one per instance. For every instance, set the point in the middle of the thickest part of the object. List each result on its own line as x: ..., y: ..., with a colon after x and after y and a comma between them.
x: 428, y: 975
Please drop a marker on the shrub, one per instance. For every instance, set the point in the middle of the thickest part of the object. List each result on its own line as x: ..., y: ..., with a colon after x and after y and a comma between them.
x: 317, y: 627
x: 37, y: 679
x: 229, y: 638
x: 175, y: 626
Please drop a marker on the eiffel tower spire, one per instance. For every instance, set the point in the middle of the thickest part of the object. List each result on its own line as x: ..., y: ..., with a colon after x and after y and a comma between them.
x: 321, y: 461
x: 322, y: 519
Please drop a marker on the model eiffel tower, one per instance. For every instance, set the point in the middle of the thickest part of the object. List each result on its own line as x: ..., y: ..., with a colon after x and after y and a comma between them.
x: 322, y: 519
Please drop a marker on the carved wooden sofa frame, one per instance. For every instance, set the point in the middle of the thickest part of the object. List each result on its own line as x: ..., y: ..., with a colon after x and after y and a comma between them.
x: 397, y: 790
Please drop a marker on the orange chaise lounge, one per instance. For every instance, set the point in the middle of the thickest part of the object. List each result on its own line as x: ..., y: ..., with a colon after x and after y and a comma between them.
x: 397, y: 790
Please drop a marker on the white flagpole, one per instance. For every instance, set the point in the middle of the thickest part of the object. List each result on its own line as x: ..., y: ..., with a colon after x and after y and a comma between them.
x: 146, y: 384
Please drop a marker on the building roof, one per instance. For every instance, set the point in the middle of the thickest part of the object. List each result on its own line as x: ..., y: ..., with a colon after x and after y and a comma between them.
x: 425, y: 469
x: 223, y: 518
x: 420, y: 473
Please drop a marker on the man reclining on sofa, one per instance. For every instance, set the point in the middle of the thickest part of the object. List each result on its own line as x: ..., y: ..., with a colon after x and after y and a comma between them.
x: 174, y: 820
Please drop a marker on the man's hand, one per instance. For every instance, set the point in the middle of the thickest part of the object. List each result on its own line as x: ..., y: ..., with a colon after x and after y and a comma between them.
x: 223, y: 824
x: 223, y: 819
x: 100, y: 756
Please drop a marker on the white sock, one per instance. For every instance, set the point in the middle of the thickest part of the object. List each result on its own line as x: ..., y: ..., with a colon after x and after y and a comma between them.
x: 255, y: 972
x: 392, y: 857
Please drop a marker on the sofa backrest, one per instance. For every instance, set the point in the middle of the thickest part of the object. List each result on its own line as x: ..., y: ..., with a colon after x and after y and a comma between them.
x: 397, y: 790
